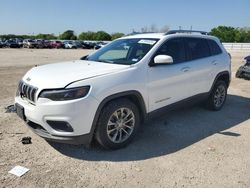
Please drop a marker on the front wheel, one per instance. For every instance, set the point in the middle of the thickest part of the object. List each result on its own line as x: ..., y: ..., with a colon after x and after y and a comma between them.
x: 218, y: 96
x: 117, y: 124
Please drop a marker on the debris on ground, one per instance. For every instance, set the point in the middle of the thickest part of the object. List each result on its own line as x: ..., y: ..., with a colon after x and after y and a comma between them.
x: 18, y: 171
x: 10, y: 109
x: 26, y: 140
x: 244, y: 71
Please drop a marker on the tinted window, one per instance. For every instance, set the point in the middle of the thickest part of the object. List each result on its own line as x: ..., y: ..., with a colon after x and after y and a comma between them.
x: 198, y: 48
x: 174, y: 48
x: 214, y: 47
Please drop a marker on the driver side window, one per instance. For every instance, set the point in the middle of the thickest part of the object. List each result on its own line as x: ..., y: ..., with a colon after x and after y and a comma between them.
x: 174, y: 48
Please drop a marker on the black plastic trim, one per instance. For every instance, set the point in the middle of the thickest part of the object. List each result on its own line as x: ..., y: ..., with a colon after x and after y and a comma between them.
x: 185, y: 102
x: 76, y: 140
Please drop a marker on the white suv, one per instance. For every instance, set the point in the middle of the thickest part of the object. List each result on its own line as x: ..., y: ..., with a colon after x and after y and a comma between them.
x: 108, y: 95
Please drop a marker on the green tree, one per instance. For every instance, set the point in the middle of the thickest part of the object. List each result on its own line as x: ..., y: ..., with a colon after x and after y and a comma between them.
x: 87, y: 35
x: 224, y: 33
x: 46, y: 36
x: 68, y: 35
x: 231, y: 34
x: 102, y: 35
x: 116, y: 35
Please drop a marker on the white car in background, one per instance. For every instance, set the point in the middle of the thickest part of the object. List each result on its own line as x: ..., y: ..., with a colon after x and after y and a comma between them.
x: 107, y: 95
x: 29, y: 43
x: 69, y: 45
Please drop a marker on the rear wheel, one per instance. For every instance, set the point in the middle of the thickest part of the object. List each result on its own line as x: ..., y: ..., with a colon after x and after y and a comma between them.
x: 117, y: 124
x: 218, y: 96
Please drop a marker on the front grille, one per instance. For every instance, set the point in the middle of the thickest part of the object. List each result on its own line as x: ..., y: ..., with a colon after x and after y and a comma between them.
x: 27, y: 91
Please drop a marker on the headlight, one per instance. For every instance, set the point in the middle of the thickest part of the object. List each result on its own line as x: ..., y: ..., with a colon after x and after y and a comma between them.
x: 65, y: 94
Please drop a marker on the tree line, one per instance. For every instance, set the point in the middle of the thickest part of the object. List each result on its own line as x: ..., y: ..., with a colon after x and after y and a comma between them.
x: 69, y: 35
x: 231, y: 34
x: 224, y: 33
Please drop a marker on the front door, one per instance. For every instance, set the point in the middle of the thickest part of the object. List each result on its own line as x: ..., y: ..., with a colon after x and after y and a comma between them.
x: 169, y: 83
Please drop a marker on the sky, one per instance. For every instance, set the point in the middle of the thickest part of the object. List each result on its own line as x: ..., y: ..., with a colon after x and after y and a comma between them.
x: 56, y: 16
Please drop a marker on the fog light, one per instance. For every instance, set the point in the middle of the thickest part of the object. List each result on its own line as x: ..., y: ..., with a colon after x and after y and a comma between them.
x: 61, y: 126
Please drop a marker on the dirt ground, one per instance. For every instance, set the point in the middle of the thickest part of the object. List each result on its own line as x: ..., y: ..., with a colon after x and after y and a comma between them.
x: 191, y: 147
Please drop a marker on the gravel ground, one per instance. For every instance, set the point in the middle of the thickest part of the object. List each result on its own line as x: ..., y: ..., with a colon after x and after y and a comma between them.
x: 191, y: 147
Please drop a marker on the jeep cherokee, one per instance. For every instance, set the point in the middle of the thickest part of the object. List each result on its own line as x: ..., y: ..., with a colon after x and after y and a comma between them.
x: 107, y: 95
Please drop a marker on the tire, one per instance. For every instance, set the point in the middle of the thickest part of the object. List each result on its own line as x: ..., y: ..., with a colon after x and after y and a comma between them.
x: 218, y: 96
x: 239, y: 73
x: 122, y: 119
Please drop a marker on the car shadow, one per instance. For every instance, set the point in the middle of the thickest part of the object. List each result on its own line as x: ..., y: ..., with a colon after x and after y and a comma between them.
x: 170, y: 132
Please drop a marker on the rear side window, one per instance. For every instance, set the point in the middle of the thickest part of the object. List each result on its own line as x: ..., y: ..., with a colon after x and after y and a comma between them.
x: 174, y: 48
x: 214, y: 47
x: 197, y: 48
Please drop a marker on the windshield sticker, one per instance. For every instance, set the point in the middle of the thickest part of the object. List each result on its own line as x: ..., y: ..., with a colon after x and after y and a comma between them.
x: 135, y: 60
x: 150, y: 42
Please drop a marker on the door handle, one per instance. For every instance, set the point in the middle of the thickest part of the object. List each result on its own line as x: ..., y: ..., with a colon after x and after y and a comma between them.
x: 185, y: 69
x: 214, y: 62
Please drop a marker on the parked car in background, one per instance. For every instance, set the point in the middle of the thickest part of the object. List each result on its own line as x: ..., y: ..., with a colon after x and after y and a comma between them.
x: 46, y: 43
x: 89, y: 45
x: 69, y: 45
x: 56, y: 44
x: 99, y: 45
x: 20, y: 42
x: 11, y: 43
x: 1, y: 44
x: 78, y: 44
x: 39, y: 43
x: 29, y: 43
x: 86, y: 45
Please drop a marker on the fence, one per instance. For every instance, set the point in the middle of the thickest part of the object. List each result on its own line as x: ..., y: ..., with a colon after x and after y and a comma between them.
x: 237, y: 46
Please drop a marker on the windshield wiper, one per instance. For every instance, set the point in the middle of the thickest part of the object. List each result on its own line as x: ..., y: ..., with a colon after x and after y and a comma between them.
x: 105, y: 61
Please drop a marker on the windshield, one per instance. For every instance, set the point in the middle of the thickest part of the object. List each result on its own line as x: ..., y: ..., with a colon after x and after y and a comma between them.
x: 123, y: 51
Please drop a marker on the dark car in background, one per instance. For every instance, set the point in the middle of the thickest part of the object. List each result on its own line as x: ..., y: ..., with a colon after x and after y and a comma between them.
x: 99, y: 45
x: 11, y: 44
x: 42, y: 43
x: 1, y: 44
x: 86, y: 45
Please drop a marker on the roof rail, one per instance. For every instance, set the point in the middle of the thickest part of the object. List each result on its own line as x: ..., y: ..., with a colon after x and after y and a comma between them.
x: 186, y: 31
x: 138, y: 33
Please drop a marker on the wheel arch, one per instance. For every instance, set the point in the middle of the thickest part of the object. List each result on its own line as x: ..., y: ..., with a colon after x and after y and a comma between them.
x: 225, y: 76
x: 132, y: 95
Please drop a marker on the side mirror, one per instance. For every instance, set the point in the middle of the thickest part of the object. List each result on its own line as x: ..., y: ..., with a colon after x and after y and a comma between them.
x: 163, y: 59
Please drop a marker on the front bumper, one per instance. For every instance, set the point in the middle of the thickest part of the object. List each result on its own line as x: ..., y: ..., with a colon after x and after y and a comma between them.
x: 82, y: 139
x: 79, y: 114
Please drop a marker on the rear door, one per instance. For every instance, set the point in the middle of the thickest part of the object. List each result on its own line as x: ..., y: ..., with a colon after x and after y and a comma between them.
x: 201, y: 63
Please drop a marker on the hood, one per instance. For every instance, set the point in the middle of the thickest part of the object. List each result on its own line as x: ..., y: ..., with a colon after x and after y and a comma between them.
x: 59, y: 75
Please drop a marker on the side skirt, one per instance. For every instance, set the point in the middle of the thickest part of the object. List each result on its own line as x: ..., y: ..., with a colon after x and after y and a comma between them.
x: 191, y: 101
